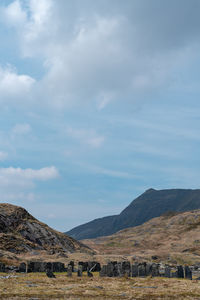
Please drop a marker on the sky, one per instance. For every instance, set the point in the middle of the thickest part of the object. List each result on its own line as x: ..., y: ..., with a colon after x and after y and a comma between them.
x: 100, y: 100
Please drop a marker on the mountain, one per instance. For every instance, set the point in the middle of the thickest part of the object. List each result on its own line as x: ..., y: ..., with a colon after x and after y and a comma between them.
x: 20, y: 232
x: 170, y: 237
x: 150, y: 204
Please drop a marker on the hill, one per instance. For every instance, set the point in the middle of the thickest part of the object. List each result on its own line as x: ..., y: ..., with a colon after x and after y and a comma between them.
x: 171, y: 238
x: 20, y: 232
x: 150, y: 204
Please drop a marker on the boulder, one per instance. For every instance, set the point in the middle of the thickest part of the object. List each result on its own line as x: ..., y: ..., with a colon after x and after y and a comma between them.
x: 50, y: 274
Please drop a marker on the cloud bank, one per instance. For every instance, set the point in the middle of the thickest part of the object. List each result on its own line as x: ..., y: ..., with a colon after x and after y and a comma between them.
x: 94, y: 52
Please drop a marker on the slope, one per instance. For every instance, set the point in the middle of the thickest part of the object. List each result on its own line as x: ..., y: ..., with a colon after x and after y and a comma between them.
x: 21, y: 232
x: 150, y: 204
x: 168, y: 237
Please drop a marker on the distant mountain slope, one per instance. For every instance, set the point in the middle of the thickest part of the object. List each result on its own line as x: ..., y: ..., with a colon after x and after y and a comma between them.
x: 150, y: 204
x: 168, y: 237
x: 21, y: 232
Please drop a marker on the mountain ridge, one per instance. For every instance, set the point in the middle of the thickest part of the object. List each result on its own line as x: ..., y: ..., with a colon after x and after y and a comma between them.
x: 20, y: 232
x: 152, y: 203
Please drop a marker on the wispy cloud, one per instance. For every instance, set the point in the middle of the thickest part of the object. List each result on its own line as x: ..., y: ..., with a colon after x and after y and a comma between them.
x: 107, y: 172
x: 20, y: 129
x: 3, y: 155
x: 88, y: 137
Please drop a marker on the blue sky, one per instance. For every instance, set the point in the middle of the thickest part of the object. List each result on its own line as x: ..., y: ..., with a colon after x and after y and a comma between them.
x: 99, y: 102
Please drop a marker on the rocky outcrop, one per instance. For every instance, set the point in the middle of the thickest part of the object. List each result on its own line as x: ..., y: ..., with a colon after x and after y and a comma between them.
x: 21, y: 232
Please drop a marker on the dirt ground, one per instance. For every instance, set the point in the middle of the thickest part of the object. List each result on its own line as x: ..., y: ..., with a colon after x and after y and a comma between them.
x: 35, y: 286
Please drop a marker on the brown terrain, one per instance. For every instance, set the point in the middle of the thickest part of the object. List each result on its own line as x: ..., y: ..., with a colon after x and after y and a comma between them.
x: 39, y: 286
x: 23, y: 235
x: 174, y: 237
x: 171, y: 238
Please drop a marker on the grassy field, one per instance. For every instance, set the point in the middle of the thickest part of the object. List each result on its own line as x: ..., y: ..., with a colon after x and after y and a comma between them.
x: 34, y: 286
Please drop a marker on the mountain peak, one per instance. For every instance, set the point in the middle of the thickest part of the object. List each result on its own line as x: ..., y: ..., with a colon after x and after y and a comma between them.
x: 152, y: 203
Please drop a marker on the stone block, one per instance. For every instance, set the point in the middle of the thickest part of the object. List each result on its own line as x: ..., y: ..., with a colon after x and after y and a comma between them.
x: 188, y: 273
x: 134, y: 270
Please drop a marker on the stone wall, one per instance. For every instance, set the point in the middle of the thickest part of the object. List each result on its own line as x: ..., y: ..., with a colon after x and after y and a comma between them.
x: 37, y: 266
x: 118, y: 269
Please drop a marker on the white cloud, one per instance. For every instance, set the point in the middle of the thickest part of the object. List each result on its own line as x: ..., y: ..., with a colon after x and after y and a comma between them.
x: 14, y: 86
x: 25, y: 178
x: 98, y: 53
x: 88, y: 137
x: 14, y: 15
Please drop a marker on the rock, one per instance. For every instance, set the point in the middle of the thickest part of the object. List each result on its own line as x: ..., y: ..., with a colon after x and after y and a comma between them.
x: 142, y: 270
x: 148, y: 269
x: 110, y: 269
x: 89, y: 274
x: 39, y: 266
x: 80, y: 271
x: 72, y: 264
x: 154, y: 257
x: 22, y: 268
x: 94, y: 266
x: 126, y: 268
x: 69, y: 271
x: 188, y: 273
x: 103, y: 272
x: 167, y: 271
x: 2, y: 267
x: 21, y: 233
x: 180, y: 273
x: 84, y: 265
x: 155, y: 270
x: 58, y: 267
x: 50, y: 274
x: 161, y: 269
x: 11, y: 269
x: 134, y: 270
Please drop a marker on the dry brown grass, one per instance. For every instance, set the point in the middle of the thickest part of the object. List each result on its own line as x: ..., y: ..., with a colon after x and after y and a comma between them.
x: 171, y: 238
x: 38, y: 286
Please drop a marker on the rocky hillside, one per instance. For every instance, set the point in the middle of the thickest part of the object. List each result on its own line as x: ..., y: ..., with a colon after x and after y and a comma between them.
x: 166, y: 238
x: 21, y: 232
x: 151, y: 204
